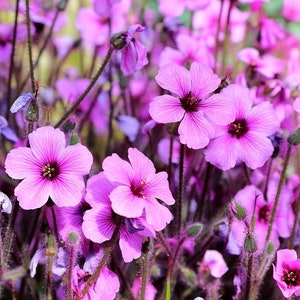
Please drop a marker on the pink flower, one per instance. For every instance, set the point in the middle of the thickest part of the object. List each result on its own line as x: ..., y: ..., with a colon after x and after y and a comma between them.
x: 287, y: 272
x: 138, y: 188
x: 245, y: 138
x: 254, y: 203
x: 215, y: 262
x: 106, y: 286
x: 291, y: 10
x: 100, y: 221
x: 191, y: 104
x: 48, y: 169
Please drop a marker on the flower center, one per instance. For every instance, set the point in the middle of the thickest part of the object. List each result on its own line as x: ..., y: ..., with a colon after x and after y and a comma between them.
x: 238, y: 128
x: 50, y: 170
x: 291, y: 278
x: 138, y: 189
x: 264, y: 213
x: 190, y: 103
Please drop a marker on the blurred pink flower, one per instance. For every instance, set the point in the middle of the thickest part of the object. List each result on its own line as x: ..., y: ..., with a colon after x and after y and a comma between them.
x: 291, y: 10
x: 287, y: 272
x: 215, y: 262
x: 48, y: 169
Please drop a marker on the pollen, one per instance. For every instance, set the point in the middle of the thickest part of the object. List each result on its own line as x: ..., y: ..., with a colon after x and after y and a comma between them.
x: 291, y: 278
x: 238, y: 128
x: 50, y: 170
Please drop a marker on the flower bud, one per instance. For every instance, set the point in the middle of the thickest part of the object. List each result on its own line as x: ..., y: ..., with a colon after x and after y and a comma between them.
x: 194, y: 229
x: 118, y: 41
x: 250, y: 243
x: 294, y: 138
x: 32, y: 114
x: 238, y: 211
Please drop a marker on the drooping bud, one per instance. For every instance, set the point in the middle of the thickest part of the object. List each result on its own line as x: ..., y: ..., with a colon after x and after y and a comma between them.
x: 62, y: 4
x: 118, y: 41
x: 51, y: 248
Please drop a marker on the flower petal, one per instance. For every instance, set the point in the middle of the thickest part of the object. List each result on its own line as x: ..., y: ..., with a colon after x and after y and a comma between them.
x: 124, y: 203
x: 204, y: 81
x: 195, y: 130
x: 21, y: 163
x: 97, y: 224
x: 131, y: 245
x: 175, y: 79
x: 166, y: 109
x: 33, y: 192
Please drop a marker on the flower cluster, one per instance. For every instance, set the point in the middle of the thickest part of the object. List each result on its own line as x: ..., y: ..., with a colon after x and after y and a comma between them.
x: 149, y: 149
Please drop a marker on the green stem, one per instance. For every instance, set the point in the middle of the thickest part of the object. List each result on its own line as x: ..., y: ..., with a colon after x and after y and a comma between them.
x: 29, y: 41
x: 69, y: 272
x: 180, y: 189
x: 249, y: 277
x: 46, y: 40
x: 146, y: 245
x: 226, y: 38
x: 280, y: 184
x: 107, y: 253
x: 87, y: 90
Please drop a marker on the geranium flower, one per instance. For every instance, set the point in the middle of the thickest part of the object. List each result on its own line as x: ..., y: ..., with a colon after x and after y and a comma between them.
x: 191, y: 104
x: 245, y: 138
x: 287, y: 272
x: 100, y: 221
x: 138, y: 188
x: 48, y: 169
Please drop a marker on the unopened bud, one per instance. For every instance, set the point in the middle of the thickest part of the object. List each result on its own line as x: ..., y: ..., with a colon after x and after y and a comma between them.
x: 51, y: 248
x: 250, y: 243
x: 294, y: 138
x: 194, y: 229
x: 270, y: 248
x: 73, y: 238
x: 32, y: 114
x: 61, y: 5
x: 238, y: 211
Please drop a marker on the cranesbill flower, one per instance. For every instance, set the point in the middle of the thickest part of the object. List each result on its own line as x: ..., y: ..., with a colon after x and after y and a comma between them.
x: 287, y: 272
x: 245, y: 138
x: 191, y: 104
x: 100, y: 222
x: 48, y: 169
x: 138, y: 188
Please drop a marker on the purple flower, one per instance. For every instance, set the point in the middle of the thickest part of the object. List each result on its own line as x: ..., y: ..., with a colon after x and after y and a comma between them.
x: 245, y: 138
x: 287, y: 272
x: 7, y: 131
x: 48, y: 169
x: 191, y: 104
x: 134, y: 54
x: 138, y: 188
x: 215, y: 263
x: 21, y: 102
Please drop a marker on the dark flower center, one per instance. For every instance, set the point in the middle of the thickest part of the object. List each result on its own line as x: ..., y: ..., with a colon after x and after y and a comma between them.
x: 138, y: 189
x: 238, y: 128
x: 50, y: 170
x: 190, y: 103
x: 291, y: 278
x: 264, y: 213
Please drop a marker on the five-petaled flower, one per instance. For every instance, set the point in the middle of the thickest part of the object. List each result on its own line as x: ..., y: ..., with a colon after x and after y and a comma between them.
x: 287, y: 272
x: 192, y: 104
x: 138, y: 188
x: 245, y: 137
x: 49, y: 169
